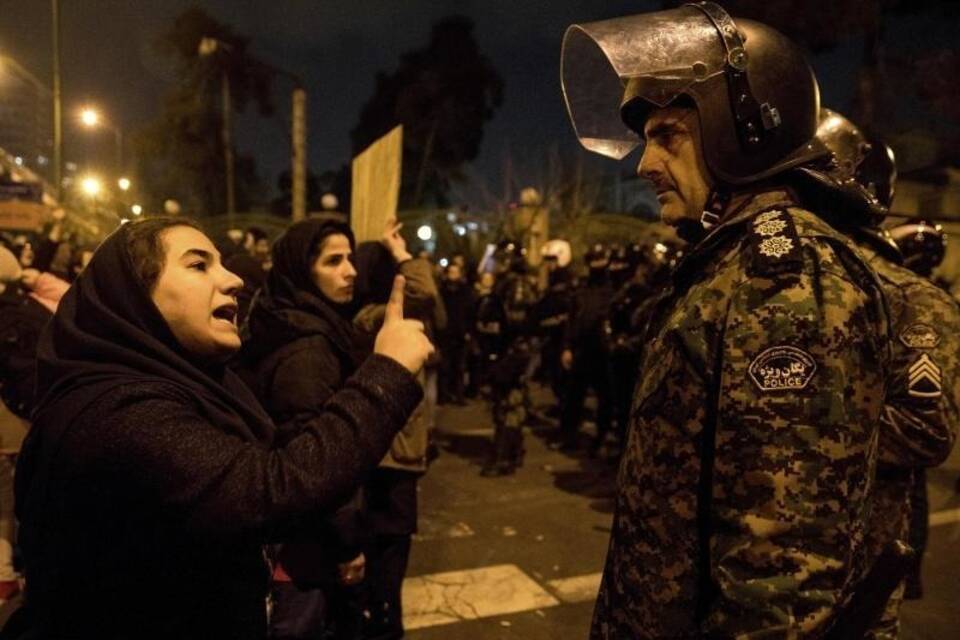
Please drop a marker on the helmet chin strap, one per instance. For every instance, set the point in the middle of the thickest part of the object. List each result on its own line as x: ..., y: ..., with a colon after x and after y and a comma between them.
x: 693, y: 231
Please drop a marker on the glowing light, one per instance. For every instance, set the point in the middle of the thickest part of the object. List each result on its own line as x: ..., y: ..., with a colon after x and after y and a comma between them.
x: 91, y: 186
x: 444, y: 262
x: 90, y: 117
x: 124, y: 184
x: 425, y: 232
x: 136, y: 209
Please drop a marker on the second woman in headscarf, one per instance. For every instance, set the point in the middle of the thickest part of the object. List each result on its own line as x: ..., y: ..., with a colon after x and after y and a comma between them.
x: 300, y: 349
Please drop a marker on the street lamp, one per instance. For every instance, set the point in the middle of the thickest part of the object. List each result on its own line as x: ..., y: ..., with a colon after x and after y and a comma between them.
x: 208, y: 47
x: 92, y: 119
x: 91, y: 186
x: 89, y: 117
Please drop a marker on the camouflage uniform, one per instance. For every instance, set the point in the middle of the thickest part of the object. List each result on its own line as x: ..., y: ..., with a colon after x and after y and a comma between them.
x: 509, y: 398
x: 922, y: 407
x: 775, y: 338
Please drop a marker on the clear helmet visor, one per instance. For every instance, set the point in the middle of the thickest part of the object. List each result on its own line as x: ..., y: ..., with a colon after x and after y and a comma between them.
x: 654, y: 56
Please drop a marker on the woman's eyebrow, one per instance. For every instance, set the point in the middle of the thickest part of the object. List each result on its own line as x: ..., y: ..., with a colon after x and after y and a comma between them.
x: 200, y: 253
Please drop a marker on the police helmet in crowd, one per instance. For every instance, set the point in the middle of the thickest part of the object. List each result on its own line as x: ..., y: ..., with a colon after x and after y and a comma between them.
x: 597, y: 257
x: 878, y: 172
x: 922, y: 243
x: 624, y: 260
x: 557, y: 252
x: 835, y: 188
x: 755, y: 94
x: 510, y: 256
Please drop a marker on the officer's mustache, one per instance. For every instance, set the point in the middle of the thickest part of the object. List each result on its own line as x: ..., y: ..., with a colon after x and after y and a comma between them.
x: 661, y: 184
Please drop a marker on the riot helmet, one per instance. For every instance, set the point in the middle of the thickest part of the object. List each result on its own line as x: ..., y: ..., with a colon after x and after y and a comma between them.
x: 597, y: 257
x: 846, y: 143
x: 878, y: 173
x: 621, y: 267
x: 509, y: 256
x: 922, y: 243
x: 755, y: 94
x: 557, y: 251
x: 833, y: 188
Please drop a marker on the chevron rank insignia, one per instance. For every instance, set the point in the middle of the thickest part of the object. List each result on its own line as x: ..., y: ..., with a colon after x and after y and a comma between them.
x: 925, y: 378
x: 920, y: 336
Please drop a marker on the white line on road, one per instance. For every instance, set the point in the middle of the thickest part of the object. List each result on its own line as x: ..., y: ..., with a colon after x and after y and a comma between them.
x: 455, y: 596
x: 578, y: 588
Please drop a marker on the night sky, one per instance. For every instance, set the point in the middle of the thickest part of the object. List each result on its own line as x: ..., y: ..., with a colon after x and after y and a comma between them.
x: 337, y: 46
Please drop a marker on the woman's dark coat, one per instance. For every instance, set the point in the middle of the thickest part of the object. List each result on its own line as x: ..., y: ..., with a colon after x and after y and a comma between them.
x: 149, y: 482
x: 299, y: 350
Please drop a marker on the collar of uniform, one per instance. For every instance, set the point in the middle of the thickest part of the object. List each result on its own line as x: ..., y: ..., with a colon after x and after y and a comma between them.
x: 742, y: 207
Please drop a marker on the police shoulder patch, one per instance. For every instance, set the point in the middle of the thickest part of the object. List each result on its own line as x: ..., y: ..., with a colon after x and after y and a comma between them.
x: 925, y: 378
x: 920, y: 336
x: 774, y: 242
x: 782, y: 368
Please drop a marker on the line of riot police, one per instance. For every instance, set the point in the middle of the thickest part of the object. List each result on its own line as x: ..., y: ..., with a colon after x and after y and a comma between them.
x: 572, y: 334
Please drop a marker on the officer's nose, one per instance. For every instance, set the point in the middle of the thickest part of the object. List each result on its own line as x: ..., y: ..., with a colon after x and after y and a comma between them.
x: 651, y: 164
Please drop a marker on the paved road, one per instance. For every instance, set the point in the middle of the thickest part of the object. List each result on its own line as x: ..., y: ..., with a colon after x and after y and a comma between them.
x: 519, y: 557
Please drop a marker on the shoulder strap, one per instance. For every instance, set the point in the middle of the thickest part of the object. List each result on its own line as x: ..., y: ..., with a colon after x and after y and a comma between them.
x: 774, y: 242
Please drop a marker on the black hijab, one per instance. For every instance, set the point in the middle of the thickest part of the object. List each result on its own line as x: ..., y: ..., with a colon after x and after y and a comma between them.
x: 290, y: 305
x: 108, y: 332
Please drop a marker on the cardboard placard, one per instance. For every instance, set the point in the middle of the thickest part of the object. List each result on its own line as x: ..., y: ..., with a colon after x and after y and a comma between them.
x: 376, y: 186
x: 21, y: 215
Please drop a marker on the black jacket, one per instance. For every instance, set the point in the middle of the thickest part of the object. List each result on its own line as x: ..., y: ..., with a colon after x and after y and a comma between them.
x: 21, y: 321
x: 149, y: 482
x: 300, y: 348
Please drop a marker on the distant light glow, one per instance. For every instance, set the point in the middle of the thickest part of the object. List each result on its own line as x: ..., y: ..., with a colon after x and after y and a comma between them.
x: 459, y: 229
x: 136, y: 209
x: 124, y: 184
x: 124, y: 220
x: 444, y: 262
x: 18, y: 160
x: 451, y: 217
x: 91, y: 186
x: 89, y: 117
x: 425, y: 232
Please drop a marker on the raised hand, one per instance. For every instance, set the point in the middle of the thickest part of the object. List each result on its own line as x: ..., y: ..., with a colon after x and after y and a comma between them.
x: 394, y: 242
x: 400, y: 339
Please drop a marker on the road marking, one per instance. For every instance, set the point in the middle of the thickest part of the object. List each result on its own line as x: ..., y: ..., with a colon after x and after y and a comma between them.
x: 578, y: 588
x: 455, y: 596
x: 944, y: 517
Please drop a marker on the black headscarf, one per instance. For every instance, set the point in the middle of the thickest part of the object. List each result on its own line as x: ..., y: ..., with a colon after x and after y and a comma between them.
x: 108, y: 332
x: 376, y: 270
x: 290, y: 305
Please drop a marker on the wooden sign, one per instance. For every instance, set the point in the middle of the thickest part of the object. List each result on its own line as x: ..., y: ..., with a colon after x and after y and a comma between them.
x: 376, y: 186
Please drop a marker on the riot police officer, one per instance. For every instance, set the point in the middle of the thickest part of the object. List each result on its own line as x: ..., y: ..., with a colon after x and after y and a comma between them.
x: 583, y: 354
x: 552, y: 312
x: 632, y: 281
x: 514, y: 295
x: 922, y: 403
x: 744, y: 486
x: 923, y: 244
